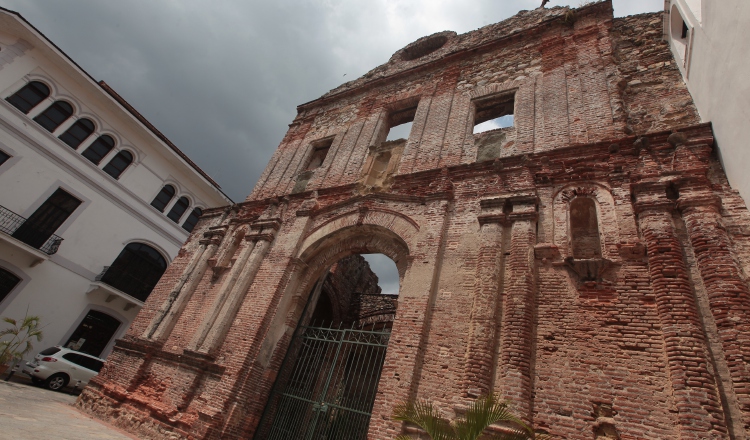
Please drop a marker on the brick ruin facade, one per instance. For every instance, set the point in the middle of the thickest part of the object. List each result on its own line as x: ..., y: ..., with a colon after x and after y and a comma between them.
x: 588, y: 263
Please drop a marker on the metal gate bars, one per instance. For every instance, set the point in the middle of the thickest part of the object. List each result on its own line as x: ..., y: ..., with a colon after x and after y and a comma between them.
x: 326, y: 386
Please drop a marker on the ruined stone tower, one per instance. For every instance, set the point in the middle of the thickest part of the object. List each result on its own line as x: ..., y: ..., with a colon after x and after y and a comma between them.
x: 586, y: 261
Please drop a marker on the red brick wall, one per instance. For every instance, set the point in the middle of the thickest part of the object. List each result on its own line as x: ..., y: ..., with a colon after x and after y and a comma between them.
x: 647, y: 339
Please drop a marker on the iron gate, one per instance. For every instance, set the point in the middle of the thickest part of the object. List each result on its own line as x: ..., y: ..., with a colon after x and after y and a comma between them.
x: 327, y: 384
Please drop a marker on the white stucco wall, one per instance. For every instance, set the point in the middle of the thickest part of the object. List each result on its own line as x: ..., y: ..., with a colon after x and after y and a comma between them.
x: 62, y: 288
x: 716, y: 68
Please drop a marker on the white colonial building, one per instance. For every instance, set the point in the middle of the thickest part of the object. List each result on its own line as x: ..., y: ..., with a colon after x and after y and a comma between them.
x: 711, y: 44
x: 94, y: 201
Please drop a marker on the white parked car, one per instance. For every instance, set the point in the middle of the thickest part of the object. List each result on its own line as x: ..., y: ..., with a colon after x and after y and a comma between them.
x: 57, y: 367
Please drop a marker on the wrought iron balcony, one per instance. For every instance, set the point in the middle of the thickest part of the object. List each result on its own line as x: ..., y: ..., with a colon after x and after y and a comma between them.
x: 33, y: 235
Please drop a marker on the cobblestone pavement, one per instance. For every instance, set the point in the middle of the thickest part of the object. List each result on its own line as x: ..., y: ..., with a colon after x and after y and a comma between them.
x: 28, y: 412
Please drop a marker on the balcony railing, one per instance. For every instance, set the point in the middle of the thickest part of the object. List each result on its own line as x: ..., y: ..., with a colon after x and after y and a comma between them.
x: 18, y: 228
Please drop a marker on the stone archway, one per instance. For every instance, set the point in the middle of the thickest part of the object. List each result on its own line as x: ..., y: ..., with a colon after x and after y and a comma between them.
x: 327, y: 384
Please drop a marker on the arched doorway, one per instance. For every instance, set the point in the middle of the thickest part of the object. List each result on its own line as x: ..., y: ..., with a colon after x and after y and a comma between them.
x: 93, y: 333
x: 327, y: 384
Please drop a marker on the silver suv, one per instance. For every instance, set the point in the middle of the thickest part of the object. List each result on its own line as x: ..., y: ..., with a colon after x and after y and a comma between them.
x: 57, y: 367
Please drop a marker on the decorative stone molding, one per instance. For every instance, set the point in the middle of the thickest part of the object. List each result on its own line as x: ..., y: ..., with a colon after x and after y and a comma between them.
x: 590, y: 269
x: 546, y: 251
x: 579, y: 191
x: 606, y: 216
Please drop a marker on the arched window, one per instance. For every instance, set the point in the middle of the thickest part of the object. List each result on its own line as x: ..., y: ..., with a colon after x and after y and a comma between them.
x: 117, y: 165
x: 162, y: 199
x: 584, y: 228
x: 77, y: 133
x: 179, y: 208
x: 8, y: 282
x: 54, y: 115
x: 192, y: 220
x: 136, y: 270
x: 29, y: 96
x: 99, y: 148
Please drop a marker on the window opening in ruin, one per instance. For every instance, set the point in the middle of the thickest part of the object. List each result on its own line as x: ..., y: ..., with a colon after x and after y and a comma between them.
x: 400, y: 123
x: 494, y: 112
x: 424, y: 46
x: 327, y: 384
x: 93, y: 333
x: 319, y: 153
x: 399, y: 131
x: 584, y: 229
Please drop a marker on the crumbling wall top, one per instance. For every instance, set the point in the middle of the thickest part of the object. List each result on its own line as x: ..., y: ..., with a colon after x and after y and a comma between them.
x: 443, y: 44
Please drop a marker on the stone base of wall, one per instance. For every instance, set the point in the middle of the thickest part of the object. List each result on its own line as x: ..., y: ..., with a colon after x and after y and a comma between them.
x: 94, y: 402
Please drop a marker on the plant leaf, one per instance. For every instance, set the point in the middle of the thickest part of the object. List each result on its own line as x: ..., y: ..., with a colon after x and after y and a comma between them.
x: 424, y: 414
x: 486, y: 411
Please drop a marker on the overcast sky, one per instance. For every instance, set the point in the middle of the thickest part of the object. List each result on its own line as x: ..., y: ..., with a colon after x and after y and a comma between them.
x: 222, y: 79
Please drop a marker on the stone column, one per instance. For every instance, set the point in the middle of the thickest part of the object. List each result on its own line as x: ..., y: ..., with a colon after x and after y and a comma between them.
x: 699, y: 410
x: 514, y: 378
x: 245, y: 250
x: 229, y: 308
x: 728, y: 299
x: 399, y: 380
x: 482, y: 348
x: 165, y: 320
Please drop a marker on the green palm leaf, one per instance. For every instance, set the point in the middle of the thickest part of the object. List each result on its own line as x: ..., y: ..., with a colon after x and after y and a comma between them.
x: 482, y: 413
x: 424, y: 414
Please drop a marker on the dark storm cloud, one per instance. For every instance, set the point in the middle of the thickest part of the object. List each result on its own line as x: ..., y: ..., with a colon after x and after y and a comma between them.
x: 386, y: 271
x: 222, y: 79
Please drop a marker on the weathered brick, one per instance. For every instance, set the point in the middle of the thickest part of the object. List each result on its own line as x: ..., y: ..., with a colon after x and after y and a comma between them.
x: 642, y: 333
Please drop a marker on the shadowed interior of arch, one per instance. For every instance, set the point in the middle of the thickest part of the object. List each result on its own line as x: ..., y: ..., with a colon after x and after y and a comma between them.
x: 584, y: 228
x: 328, y: 382
x: 356, y: 290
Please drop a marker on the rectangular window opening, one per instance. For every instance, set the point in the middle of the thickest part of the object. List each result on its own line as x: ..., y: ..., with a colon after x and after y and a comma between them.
x: 400, y: 123
x: 319, y: 153
x: 494, y: 112
x: 685, y: 30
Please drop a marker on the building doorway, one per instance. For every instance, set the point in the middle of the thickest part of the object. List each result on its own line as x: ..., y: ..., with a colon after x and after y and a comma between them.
x: 93, y: 333
x: 327, y: 384
x: 40, y: 227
